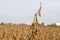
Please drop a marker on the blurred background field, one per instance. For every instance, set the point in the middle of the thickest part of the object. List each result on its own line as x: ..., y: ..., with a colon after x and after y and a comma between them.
x: 24, y: 32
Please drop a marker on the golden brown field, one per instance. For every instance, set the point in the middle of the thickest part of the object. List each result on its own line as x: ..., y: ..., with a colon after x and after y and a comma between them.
x: 24, y: 32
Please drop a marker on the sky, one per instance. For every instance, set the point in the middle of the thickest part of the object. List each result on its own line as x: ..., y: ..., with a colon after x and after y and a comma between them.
x: 22, y: 11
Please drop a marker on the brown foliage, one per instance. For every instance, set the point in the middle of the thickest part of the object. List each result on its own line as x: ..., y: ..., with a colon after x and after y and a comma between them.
x: 24, y: 32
